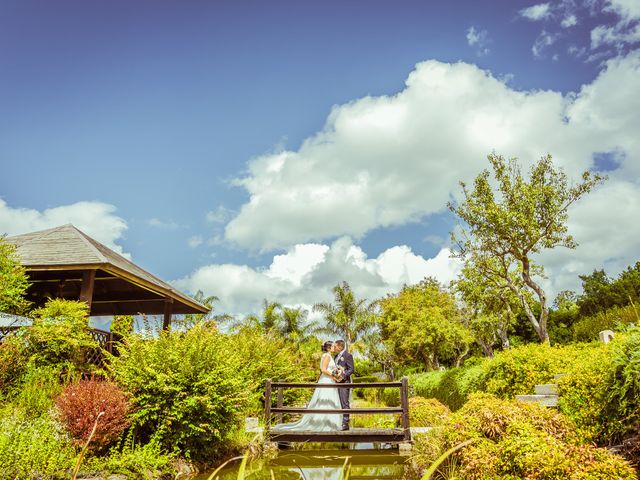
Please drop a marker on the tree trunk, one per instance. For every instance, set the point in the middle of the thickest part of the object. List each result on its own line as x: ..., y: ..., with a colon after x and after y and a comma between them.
x: 541, y: 323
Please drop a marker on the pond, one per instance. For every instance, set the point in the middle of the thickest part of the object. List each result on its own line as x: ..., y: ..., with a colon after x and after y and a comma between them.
x: 322, y: 464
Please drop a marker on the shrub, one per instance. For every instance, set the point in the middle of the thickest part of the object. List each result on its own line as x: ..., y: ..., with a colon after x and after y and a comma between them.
x: 426, y: 412
x: 59, y: 335
x: 516, y: 440
x: 517, y: 371
x: 189, y: 389
x: 80, y: 404
x: 33, y: 447
x: 37, y: 388
x: 616, y: 318
x: 134, y: 461
x: 451, y: 387
x: 13, y: 362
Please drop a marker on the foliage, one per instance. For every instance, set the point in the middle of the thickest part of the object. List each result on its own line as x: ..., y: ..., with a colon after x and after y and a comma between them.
x: 190, y: 389
x: 122, y: 325
x: 79, y: 405
x: 13, y: 280
x: 135, y: 461
x: 421, y: 325
x: 347, y: 316
x: 516, y: 440
x: 33, y: 447
x: 13, y: 362
x: 426, y: 412
x: 600, y: 292
x: 452, y: 387
x: 185, y: 388
x: 59, y: 335
x: 521, y: 217
x: 587, y: 328
x: 518, y: 370
x: 36, y: 389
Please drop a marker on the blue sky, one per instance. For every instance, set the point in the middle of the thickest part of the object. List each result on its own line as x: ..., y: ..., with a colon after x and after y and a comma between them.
x: 156, y: 127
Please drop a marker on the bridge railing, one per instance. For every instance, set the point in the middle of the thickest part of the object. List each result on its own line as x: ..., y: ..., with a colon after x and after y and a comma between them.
x: 280, y: 409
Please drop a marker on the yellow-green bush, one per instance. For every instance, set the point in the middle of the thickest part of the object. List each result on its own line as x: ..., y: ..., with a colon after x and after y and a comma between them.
x: 451, y: 387
x: 616, y: 318
x: 33, y: 447
x: 426, y: 412
x: 518, y: 441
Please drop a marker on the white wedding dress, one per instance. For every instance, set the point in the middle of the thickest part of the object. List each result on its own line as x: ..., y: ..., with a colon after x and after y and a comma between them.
x: 322, y: 398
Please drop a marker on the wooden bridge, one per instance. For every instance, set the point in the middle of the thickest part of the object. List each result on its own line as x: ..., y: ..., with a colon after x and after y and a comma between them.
x: 353, y: 435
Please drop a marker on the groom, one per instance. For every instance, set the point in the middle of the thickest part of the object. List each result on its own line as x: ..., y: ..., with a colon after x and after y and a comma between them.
x: 345, y: 360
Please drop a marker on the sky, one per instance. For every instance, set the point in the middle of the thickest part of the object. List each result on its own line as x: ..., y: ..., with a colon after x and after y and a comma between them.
x: 272, y: 149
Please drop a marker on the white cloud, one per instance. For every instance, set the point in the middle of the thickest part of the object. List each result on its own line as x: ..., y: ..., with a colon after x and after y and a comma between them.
x: 628, y: 10
x: 616, y: 35
x: 478, y: 39
x: 542, y: 43
x: 96, y: 219
x: 536, y: 12
x: 569, y: 21
x: 307, y: 272
x: 219, y: 215
x: 195, y: 241
x: 392, y: 160
x: 164, y: 224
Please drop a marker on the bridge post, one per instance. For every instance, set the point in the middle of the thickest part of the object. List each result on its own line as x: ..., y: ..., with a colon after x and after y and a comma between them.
x: 267, y: 403
x: 279, y: 404
x: 404, y: 403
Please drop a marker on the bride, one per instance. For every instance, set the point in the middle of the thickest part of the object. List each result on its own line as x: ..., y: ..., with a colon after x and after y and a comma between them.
x: 322, y: 398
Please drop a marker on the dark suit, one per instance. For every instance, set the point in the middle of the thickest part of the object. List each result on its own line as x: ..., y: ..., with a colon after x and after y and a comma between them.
x: 345, y: 360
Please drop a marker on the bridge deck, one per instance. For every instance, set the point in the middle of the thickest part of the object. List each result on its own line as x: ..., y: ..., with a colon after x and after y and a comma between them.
x: 354, y: 435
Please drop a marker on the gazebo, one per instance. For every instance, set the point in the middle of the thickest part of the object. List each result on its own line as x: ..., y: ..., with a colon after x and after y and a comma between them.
x: 64, y: 262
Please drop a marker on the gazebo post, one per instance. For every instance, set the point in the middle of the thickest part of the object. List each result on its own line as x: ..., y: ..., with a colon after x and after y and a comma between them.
x: 86, y: 291
x: 168, y: 311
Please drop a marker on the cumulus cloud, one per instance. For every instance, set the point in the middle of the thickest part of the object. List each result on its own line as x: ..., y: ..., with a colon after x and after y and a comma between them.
x: 96, y: 219
x: 306, y: 273
x: 479, y: 39
x: 625, y: 32
x: 392, y: 160
x: 536, y: 12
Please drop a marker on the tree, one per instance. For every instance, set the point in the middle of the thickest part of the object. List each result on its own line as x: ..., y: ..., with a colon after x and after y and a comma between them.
x: 489, y: 306
x: 294, y: 325
x: 13, y: 281
x: 347, y: 316
x: 190, y: 320
x: 507, y: 224
x: 422, y: 325
x: 270, y: 320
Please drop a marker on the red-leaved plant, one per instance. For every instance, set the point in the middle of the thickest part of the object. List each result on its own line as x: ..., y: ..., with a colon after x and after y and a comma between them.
x: 80, y: 404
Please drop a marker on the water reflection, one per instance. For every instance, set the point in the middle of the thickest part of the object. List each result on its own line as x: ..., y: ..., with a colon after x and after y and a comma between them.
x: 324, y: 465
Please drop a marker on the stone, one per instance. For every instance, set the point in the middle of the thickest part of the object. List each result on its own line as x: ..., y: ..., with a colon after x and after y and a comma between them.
x: 405, y: 448
x: 251, y: 425
x: 606, y: 336
x: 547, y: 389
x: 544, y: 400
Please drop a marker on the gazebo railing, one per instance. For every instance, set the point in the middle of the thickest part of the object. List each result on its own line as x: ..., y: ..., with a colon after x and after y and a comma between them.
x: 94, y: 356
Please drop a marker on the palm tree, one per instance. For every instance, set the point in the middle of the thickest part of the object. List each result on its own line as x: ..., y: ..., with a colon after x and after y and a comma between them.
x: 269, y: 321
x: 190, y: 320
x: 346, y: 316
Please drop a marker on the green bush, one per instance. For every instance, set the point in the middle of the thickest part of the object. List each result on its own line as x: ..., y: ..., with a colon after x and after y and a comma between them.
x: 588, y: 328
x: 134, y: 461
x: 451, y: 387
x: 518, y: 370
x: 33, y: 447
x: 190, y: 389
x: 59, y: 335
x: 37, y: 388
x: 517, y: 441
x: 426, y: 412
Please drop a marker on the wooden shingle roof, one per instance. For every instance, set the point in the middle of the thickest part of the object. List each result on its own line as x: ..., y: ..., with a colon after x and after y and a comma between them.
x: 67, y: 249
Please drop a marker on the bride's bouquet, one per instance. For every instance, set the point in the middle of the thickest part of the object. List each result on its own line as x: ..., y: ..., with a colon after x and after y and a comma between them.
x: 338, y: 372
